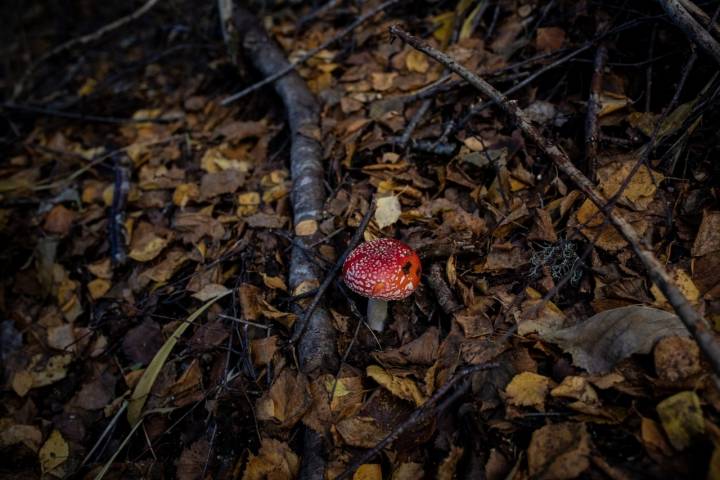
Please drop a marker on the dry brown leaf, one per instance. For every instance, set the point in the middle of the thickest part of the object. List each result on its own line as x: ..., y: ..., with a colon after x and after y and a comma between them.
x: 59, y: 220
x: 286, y: 401
x: 408, y: 471
x: 263, y: 350
x: 12, y: 434
x: 192, y: 462
x: 708, y: 236
x: 275, y: 461
x: 548, y: 39
x: 559, y: 451
x: 404, y: 388
x: 211, y: 290
x: 146, y: 244
x: 578, y: 388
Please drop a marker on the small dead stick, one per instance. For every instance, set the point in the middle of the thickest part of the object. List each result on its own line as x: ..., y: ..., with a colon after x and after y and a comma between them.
x: 293, y: 64
x: 354, y: 241
x: 85, y: 39
x: 116, y: 222
x: 695, y: 324
x: 593, y: 110
x: 419, y: 415
x: 692, y: 28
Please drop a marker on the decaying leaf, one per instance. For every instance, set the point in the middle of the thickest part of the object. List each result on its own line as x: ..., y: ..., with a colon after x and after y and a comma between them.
x: 559, y: 451
x: 604, y: 339
x: 274, y: 460
x: 54, y: 452
x: 682, y: 419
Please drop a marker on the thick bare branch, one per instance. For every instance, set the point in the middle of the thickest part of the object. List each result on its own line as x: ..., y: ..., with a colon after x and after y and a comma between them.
x: 682, y: 18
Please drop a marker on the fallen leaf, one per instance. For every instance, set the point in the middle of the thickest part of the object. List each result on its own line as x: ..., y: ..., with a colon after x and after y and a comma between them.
x: 682, y: 419
x: 142, y: 342
x: 59, y: 220
x: 408, y: 471
x: 98, y: 287
x: 54, y: 452
x: 192, y: 462
x: 604, y: 339
x: 446, y: 470
x: 404, y: 388
x: 275, y: 461
x: 388, y: 211
x: 559, y: 451
x: 368, y: 471
x: 12, y: 434
x: 263, y: 350
x: 287, y: 400
x: 708, y: 236
x: 47, y: 373
x: 211, y: 290
x: 548, y: 39
x: 578, y: 388
x: 146, y: 244
x: 264, y: 220
x: 214, y: 184
x: 528, y: 389
x: 275, y: 283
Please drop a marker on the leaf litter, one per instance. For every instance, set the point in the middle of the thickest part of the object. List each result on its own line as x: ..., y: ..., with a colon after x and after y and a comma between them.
x: 176, y: 362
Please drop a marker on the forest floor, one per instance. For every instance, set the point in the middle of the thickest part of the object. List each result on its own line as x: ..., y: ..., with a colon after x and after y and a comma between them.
x: 153, y: 322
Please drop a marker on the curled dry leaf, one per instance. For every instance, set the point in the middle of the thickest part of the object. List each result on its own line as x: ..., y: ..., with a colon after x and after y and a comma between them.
x: 604, y: 339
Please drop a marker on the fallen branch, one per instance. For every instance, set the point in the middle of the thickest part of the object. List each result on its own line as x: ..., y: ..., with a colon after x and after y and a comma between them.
x: 691, y: 27
x: 695, y: 324
x: 317, y: 348
x: 288, y: 67
x: 85, y: 39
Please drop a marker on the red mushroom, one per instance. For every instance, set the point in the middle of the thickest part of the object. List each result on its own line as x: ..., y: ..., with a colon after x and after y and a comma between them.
x: 383, y: 269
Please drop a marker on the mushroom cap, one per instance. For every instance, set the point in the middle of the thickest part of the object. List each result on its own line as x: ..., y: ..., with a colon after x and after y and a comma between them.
x: 383, y: 269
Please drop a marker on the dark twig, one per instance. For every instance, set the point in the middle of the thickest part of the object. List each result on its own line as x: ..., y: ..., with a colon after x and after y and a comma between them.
x: 593, y: 110
x: 695, y: 324
x: 682, y: 18
x: 290, y: 66
x: 419, y: 415
x: 81, y: 116
x: 116, y: 220
x: 357, y: 236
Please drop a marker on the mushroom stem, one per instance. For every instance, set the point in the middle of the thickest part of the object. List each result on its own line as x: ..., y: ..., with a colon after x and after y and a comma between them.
x: 376, y: 314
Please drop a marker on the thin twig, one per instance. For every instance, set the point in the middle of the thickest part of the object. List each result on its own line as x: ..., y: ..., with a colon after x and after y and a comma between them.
x: 419, y: 415
x: 695, y: 324
x: 311, y: 53
x: 593, y: 110
x: 116, y: 221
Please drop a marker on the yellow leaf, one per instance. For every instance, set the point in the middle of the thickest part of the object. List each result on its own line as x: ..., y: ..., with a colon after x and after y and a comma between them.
x: 144, y: 385
x: 416, y: 61
x: 444, y: 31
x: 404, y: 388
x: 368, y: 471
x: 184, y: 193
x: 684, y: 283
x: 98, y: 287
x: 528, y: 389
x: 54, y: 452
x: 682, y: 419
